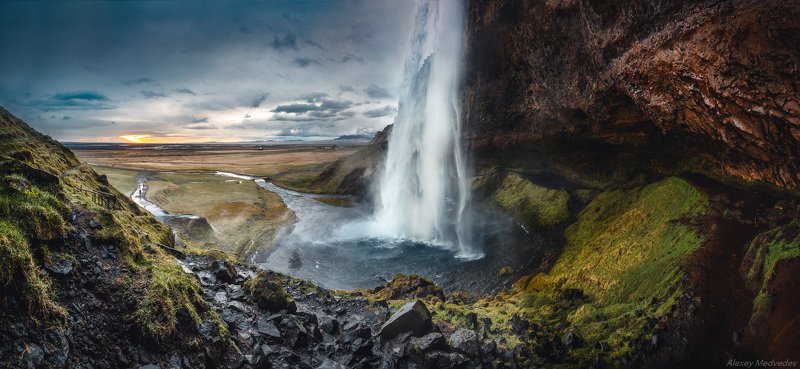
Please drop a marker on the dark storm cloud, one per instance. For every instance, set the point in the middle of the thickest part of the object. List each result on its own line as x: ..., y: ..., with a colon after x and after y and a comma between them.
x: 377, y: 92
x: 258, y: 100
x: 295, y: 108
x: 185, y: 91
x: 381, y: 112
x: 77, y: 100
x: 287, y: 41
x: 305, y: 62
x: 139, y: 81
x: 208, y: 59
x: 151, y: 94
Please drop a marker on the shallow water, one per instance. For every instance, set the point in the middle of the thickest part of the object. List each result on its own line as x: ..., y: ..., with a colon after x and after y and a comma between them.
x: 326, y: 247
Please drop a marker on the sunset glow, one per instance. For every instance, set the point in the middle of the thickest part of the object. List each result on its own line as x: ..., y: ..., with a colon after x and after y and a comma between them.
x: 135, y: 138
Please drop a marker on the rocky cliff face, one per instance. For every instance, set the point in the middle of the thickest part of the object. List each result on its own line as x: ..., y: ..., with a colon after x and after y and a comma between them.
x: 717, y: 80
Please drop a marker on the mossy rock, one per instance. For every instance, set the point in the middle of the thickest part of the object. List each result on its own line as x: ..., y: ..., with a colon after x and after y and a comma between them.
x: 267, y: 291
x: 534, y: 205
x: 407, y: 286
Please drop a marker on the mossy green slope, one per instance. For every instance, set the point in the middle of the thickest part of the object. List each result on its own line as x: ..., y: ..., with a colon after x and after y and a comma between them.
x: 41, y: 183
x: 533, y: 205
x: 764, y: 254
x: 619, y: 273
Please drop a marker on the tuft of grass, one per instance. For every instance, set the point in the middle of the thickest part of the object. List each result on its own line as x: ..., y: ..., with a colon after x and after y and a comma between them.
x: 19, y: 275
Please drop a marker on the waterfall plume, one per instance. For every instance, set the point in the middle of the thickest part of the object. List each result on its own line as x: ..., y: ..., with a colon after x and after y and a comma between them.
x: 424, y: 192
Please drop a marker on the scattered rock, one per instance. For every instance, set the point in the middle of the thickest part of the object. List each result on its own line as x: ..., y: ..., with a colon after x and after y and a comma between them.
x: 413, y: 317
x: 430, y: 342
x: 506, y: 271
x: 328, y: 324
x: 61, y: 266
x: 466, y: 342
x: 268, y: 328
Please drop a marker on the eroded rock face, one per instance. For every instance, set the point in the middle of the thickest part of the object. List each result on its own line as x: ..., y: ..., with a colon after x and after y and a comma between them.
x: 721, y: 76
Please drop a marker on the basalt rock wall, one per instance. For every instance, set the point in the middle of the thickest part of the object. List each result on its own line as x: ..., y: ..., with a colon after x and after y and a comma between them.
x: 717, y: 80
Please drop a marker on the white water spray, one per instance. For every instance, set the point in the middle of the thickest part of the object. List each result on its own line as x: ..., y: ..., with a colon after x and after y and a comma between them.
x: 424, y: 192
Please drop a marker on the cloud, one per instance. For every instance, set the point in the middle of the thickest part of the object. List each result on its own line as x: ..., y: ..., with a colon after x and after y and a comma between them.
x: 312, y: 97
x: 200, y: 120
x: 305, y: 62
x: 351, y: 57
x: 75, y: 100
x: 66, y: 117
x: 295, y: 108
x: 377, y: 92
x: 185, y: 91
x: 151, y: 94
x: 80, y: 96
x: 380, y: 112
x: 139, y: 81
x: 347, y: 88
x: 258, y: 100
x: 201, y: 126
x: 288, y: 41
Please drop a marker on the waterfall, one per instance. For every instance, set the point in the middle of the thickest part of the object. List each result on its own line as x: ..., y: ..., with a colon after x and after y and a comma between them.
x: 424, y: 192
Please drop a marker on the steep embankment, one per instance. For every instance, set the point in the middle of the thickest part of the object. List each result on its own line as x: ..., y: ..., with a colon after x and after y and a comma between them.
x: 621, y: 88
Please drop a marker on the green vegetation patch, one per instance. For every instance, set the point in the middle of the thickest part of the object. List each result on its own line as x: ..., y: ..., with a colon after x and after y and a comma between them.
x: 629, y: 245
x: 618, y: 275
x: 19, y: 275
x: 533, y: 205
x: 764, y: 253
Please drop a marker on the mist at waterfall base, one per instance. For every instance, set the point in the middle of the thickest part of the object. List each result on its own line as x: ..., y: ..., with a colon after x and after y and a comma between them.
x: 421, y: 220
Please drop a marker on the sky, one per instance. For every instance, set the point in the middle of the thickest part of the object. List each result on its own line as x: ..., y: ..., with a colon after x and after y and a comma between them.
x: 203, y: 71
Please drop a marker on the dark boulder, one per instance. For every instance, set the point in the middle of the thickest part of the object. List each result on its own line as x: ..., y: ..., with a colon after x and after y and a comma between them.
x: 430, y: 342
x: 413, y: 317
x: 268, y: 293
x: 465, y: 341
x: 223, y: 270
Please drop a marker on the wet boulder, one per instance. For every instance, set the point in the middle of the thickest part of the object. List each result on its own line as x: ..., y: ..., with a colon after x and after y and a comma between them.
x: 223, y: 270
x: 413, y: 317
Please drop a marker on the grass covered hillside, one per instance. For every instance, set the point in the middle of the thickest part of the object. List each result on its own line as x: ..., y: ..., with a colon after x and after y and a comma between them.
x: 70, y: 265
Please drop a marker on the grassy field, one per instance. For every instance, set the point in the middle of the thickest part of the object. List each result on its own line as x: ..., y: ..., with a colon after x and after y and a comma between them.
x: 242, y: 216
x: 268, y: 162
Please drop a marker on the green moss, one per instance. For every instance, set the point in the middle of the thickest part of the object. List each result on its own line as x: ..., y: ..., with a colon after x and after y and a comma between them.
x: 764, y: 253
x: 629, y: 245
x: 533, y: 204
x: 619, y: 273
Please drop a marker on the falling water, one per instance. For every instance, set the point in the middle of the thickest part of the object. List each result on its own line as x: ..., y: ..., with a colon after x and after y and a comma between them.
x: 424, y: 191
